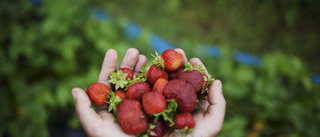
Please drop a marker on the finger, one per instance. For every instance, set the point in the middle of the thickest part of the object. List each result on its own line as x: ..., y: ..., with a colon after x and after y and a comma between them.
x: 185, y: 60
x: 217, y: 107
x: 142, y: 60
x: 196, y: 61
x: 109, y: 65
x: 87, y: 116
x: 130, y: 59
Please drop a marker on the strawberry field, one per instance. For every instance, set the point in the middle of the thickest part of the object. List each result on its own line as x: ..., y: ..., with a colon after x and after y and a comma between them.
x: 265, y: 53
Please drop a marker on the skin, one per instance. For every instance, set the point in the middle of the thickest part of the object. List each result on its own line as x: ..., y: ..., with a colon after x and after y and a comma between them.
x: 209, y: 116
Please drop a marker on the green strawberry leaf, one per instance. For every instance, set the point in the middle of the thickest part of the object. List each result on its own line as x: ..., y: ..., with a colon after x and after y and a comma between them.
x: 143, y: 74
x: 119, y: 79
x: 184, y: 131
x: 113, y: 102
x: 158, y: 60
x: 189, y: 67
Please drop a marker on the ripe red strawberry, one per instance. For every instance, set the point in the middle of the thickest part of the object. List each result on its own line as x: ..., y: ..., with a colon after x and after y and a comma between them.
x: 183, y: 119
x: 159, y: 85
x: 154, y: 73
x: 129, y: 71
x: 98, y: 93
x: 172, y: 88
x: 184, y: 122
x: 153, y: 103
x: 183, y: 93
x: 176, y: 73
x: 193, y: 76
x: 172, y: 59
x: 137, y: 89
x: 119, y: 79
x: 158, y: 129
x: 131, y: 117
x: 187, y: 101
x: 120, y: 94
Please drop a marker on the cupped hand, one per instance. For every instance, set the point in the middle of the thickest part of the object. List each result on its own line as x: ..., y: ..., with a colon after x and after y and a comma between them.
x: 100, y: 123
x: 210, y: 113
x: 209, y: 116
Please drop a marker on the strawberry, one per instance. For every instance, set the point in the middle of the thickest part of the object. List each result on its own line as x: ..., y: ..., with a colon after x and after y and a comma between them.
x: 129, y: 71
x: 184, y: 122
x: 158, y: 129
x: 159, y: 85
x: 98, y: 93
x: 187, y: 100
x: 119, y: 79
x: 185, y: 97
x: 131, y: 117
x: 205, y: 88
x: 170, y: 60
x: 176, y: 73
x: 172, y: 88
x: 154, y: 73
x: 193, y: 75
x: 137, y: 88
x: 120, y: 94
x: 153, y: 103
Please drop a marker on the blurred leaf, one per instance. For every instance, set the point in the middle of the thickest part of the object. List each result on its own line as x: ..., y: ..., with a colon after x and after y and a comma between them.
x: 234, y: 126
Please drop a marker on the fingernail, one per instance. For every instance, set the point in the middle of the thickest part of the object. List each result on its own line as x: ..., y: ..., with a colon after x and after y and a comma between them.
x: 220, y: 87
x: 74, y: 95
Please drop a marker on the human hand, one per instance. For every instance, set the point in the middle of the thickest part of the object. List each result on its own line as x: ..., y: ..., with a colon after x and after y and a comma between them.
x: 100, y: 122
x: 210, y: 113
x: 209, y: 116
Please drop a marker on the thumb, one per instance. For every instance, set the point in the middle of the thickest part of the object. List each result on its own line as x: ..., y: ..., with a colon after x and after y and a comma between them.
x: 217, y: 108
x: 87, y: 116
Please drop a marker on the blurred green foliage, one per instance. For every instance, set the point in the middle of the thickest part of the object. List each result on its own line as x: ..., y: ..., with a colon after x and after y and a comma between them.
x: 48, y: 50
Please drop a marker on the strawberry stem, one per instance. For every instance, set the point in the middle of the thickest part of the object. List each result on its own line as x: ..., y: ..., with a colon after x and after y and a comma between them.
x: 158, y: 60
x: 170, y: 111
x: 147, y: 131
x: 134, y: 80
x: 207, y: 82
x: 113, y: 102
x: 184, y: 131
x: 143, y: 74
x: 189, y: 67
x: 119, y: 79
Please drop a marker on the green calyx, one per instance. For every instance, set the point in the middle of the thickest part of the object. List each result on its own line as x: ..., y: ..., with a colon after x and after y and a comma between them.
x: 113, y: 102
x: 207, y: 82
x: 148, y: 131
x: 208, y: 79
x: 134, y: 80
x: 143, y: 74
x: 189, y: 67
x: 158, y: 60
x: 168, y: 113
x: 119, y: 79
x: 184, y: 131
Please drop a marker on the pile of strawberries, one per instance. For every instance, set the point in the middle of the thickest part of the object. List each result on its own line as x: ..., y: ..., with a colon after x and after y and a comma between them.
x: 160, y: 98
